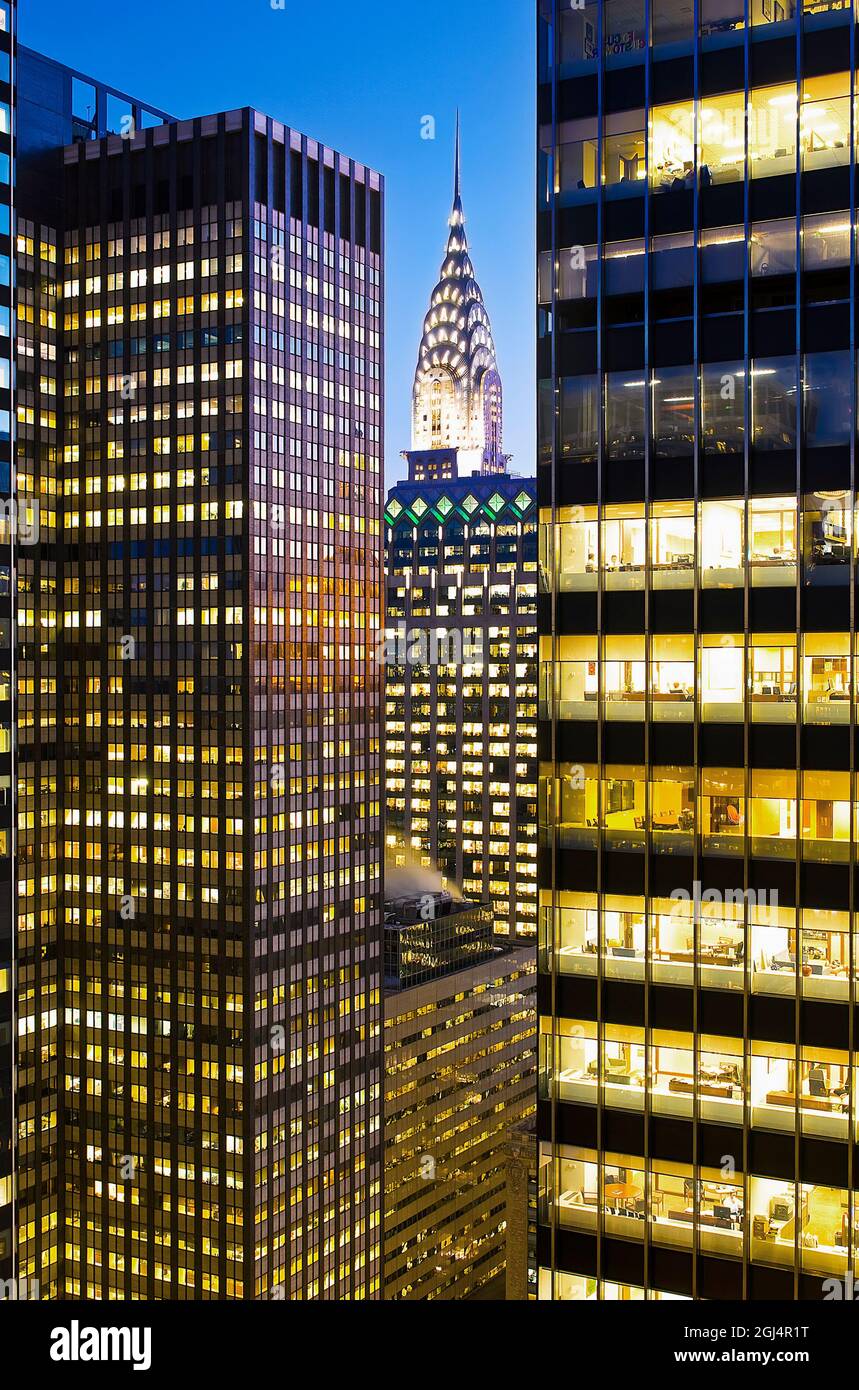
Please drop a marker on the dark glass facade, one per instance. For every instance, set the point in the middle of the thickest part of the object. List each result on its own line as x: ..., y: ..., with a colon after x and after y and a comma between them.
x: 200, y: 309
x: 10, y: 532
x: 699, y: 803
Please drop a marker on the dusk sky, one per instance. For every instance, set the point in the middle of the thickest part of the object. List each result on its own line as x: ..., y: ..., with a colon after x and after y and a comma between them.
x: 362, y: 77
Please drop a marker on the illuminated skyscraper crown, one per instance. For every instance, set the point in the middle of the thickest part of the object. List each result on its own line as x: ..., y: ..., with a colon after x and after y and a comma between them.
x: 457, y: 398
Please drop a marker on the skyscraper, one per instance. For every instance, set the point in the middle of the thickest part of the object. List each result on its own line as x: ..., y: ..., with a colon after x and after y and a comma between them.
x: 199, y: 925
x: 457, y: 415
x: 461, y: 688
x: 461, y: 559
x: 459, y: 1076
x: 7, y: 536
x: 697, y: 378
x: 460, y: 767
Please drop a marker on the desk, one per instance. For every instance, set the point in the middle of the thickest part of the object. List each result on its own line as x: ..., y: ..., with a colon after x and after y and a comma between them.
x: 705, y: 1088
x: 621, y: 1191
x: 718, y: 955
x: 828, y: 1103
x: 708, y: 1218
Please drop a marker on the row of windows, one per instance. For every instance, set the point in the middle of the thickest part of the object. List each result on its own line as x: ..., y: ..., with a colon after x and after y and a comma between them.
x: 138, y: 242
x: 672, y: 27
x: 764, y: 677
x: 771, y: 1221
x: 770, y: 1085
x: 780, y: 815
x: 723, y: 255
x: 558, y: 1285
x: 769, y: 401
x: 722, y: 936
x: 731, y: 540
x: 717, y: 139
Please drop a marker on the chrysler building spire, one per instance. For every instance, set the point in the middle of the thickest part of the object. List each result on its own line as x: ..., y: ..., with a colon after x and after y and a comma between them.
x: 457, y: 396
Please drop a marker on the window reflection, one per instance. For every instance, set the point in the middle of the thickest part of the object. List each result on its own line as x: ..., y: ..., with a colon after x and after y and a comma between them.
x: 578, y: 29
x: 625, y: 35
x: 722, y: 16
x: 825, y: 240
x: 772, y: 249
x: 723, y: 254
x: 624, y: 267
x: 673, y: 260
x: 774, y: 395
x: 827, y: 527
x: 625, y: 415
x: 673, y: 412
x: 624, y: 148
x: 579, y: 418
x: 827, y: 399
x: 577, y: 273
x: 723, y: 407
x: 672, y: 21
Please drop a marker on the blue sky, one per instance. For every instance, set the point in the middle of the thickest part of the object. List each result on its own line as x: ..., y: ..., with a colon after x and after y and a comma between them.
x: 361, y: 75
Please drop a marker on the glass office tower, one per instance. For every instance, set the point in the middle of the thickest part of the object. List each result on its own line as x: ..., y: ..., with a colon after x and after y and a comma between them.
x: 699, y: 801
x: 199, y: 919
x: 8, y: 517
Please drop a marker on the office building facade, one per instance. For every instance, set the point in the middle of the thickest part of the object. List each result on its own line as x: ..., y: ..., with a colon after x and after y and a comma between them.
x: 697, y: 1118
x: 8, y: 527
x: 459, y: 1073
x: 460, y: 686
x: 203, y: 1117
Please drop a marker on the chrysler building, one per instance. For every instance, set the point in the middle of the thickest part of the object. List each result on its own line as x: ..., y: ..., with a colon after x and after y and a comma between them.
x: 456, y: 399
